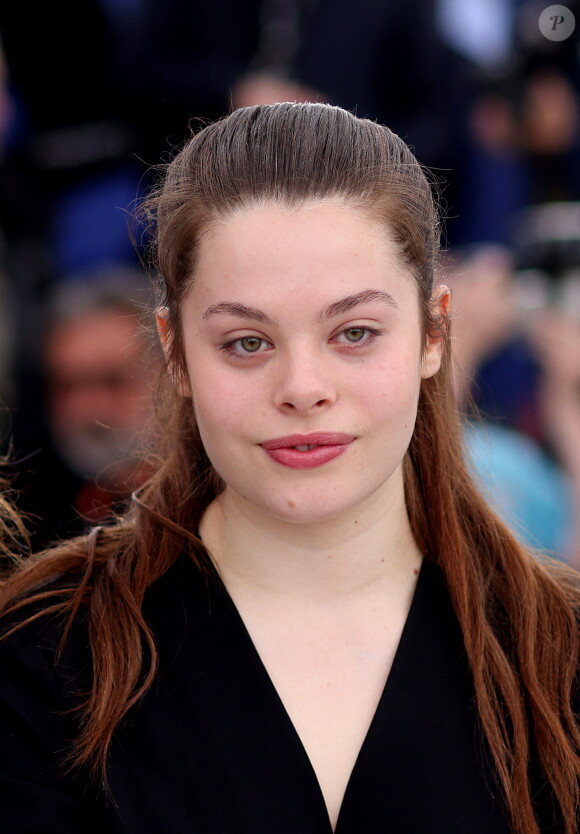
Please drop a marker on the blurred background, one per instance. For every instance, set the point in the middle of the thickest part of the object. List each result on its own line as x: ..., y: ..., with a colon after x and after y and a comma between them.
x: 93, y: 95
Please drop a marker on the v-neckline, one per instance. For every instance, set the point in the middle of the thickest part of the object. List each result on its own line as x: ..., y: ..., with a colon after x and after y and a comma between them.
x: 382, y: 704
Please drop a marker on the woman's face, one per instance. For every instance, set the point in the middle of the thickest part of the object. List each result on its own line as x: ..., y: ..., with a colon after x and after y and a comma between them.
x: 304, y: 322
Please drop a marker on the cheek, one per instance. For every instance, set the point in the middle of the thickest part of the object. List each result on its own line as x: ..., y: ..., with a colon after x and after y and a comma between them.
x: 391, y: 391
x: 224, y: 402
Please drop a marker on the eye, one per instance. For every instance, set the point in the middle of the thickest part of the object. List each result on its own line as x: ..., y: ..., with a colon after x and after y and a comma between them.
x: 356, y: 335
x: 248, y: 347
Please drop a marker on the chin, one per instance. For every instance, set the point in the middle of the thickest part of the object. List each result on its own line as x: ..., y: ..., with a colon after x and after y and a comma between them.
x: 307, y: 509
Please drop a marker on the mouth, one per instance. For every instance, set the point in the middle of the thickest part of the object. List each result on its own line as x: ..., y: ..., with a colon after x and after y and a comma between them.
x: 303, y: 443
x: 294, y: 453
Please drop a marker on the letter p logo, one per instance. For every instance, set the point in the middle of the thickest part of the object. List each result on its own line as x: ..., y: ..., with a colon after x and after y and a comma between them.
x: 557, y: 23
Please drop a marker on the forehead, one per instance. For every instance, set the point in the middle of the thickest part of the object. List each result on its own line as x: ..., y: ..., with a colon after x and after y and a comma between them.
x: 275, y: 251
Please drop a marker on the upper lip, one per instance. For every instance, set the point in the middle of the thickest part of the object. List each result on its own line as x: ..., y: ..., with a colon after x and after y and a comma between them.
x: 318, y: 439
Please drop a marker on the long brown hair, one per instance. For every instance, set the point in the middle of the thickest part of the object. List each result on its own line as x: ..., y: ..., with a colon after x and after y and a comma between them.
x: 518, y: 617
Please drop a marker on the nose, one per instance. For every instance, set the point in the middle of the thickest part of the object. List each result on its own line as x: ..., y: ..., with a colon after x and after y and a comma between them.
x: 304, y: 382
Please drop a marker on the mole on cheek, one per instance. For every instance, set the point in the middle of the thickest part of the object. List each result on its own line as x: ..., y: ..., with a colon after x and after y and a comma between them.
x: 291, y: 503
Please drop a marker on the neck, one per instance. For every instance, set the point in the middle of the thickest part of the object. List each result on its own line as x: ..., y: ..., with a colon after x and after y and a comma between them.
x: 346, y: 556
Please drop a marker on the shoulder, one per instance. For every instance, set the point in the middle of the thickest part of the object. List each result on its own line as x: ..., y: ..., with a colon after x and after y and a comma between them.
x: 37, y: 640
x: 42, y: 602
x: 30, y: 644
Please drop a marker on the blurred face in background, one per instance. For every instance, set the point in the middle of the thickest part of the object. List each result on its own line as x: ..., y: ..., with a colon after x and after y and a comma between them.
x: 98, y: 391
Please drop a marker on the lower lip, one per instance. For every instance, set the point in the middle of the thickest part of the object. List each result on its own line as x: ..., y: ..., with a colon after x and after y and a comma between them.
x: 308, y: 459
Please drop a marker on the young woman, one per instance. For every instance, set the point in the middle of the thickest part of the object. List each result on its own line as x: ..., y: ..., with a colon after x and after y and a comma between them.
x: 309, y: 620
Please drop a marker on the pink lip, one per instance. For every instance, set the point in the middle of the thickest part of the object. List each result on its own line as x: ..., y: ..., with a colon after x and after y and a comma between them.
x: 328, y: 446
x: 320, y: 438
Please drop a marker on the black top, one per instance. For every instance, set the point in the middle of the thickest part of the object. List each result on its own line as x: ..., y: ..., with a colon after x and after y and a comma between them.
x: 211, y: 749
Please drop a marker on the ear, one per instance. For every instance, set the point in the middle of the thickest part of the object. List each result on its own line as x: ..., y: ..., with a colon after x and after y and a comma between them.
x: 163, y: 330
x: 435, y: 345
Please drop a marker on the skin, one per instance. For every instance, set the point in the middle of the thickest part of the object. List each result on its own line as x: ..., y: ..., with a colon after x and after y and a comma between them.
x: 93, y: 370
x: 321, y: 563
x: 98, y: 392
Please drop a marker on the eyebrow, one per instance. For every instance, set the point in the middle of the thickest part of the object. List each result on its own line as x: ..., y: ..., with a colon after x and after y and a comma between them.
x: 337, y: 308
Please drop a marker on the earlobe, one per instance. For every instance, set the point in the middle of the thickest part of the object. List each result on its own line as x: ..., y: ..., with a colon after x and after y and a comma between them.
x: 162, y: 322
x: 433, y: 355
x: 164, y: 332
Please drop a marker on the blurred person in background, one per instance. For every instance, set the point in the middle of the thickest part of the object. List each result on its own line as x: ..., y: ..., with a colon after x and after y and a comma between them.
x: 535, y: 489
x: 96, y: 376
x: 522, y: 133
x: 522, y: 172
x: 555, y: 337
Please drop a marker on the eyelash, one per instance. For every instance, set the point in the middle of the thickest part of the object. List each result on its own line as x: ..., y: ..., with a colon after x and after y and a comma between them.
x: 228, y: 347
